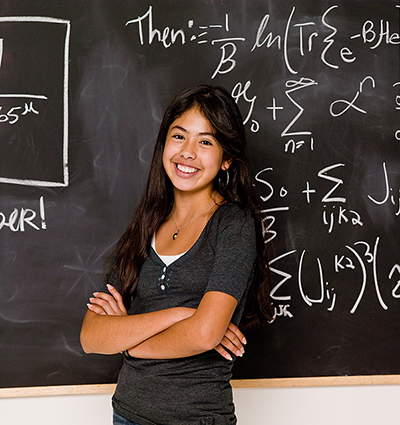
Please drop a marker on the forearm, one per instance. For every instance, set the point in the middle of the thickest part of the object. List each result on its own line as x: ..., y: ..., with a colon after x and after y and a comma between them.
x: 104, y: 334
x: 201, y: 332
x: 177, y: 341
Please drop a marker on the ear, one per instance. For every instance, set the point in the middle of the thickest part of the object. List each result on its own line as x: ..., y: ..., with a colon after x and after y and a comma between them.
x: 226, y: 164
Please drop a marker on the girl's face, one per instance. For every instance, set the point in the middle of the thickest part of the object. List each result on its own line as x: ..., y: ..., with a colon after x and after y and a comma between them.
x: 192, y: 156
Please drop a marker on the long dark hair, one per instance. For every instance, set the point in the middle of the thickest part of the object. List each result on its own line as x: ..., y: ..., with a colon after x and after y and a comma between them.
x: 132, y: 249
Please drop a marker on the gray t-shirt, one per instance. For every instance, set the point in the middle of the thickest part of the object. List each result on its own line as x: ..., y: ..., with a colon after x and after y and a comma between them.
x: 192, y: 390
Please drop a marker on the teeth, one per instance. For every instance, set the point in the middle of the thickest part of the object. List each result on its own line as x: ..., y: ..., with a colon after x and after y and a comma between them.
x: 186, y: 169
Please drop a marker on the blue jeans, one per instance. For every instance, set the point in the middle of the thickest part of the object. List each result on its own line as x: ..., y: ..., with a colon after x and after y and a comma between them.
x: 119, y: 420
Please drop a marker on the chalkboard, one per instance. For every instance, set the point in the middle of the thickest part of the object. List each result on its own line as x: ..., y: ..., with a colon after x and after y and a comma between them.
x: 83, y: 86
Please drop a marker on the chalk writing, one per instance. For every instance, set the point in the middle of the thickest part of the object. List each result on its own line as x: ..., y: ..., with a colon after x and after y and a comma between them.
x: 167, y: 37
x: 14, y: 113
x: 239, y: 92
x: 351, y: 104
x: 360, y: 255
x: 397, y: 103
x: 305, y: 33
x: 21, y: 219
x: 375, y: 37
x: 390, y: 195
x: 294, y: 85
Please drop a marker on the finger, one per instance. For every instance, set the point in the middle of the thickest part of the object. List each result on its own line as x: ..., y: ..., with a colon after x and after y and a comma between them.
x: 238, y: 333
x: 104, y: 296
x: 234, y: 347
x: 118, y: 298
x: 114, y: 308
x: 117, y: 307
x: 96, y: 309
x: 220, y: 349
x: 104, y: 304
x: 233, y: 338
x: 232, y: 342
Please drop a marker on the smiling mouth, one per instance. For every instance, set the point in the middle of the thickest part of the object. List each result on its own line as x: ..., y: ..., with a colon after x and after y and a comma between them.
x: 186, y: 169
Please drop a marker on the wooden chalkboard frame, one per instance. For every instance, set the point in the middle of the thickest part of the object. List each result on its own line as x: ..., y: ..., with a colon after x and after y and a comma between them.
x: 325, y: 381
x: 317, y: 381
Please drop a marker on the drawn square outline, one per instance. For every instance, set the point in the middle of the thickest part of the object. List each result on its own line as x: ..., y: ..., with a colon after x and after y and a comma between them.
x: 43, y: 19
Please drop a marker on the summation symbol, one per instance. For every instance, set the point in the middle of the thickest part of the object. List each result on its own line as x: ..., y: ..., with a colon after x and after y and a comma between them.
x: 293, y: 86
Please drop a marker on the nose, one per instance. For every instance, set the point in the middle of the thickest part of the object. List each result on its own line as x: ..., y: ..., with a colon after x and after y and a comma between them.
x: 188, y: 150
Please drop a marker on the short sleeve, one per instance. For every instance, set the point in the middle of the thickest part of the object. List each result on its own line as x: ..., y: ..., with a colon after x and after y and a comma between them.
x: 112, y: 279
x: 235, y: 254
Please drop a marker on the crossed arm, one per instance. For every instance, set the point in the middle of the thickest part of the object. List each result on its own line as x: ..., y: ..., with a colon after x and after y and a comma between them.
x: 171, y: 333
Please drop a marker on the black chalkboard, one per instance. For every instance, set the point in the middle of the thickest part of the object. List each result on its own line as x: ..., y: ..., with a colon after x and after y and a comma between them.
x: 83, y: 85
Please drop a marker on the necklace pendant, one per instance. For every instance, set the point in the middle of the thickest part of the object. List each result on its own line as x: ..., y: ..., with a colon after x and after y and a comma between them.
x: 176, y: 234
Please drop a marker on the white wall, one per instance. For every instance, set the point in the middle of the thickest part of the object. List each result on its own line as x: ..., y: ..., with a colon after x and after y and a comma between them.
x: 366, y: 405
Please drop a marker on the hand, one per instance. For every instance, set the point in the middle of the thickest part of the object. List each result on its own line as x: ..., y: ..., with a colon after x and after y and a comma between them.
x: 106, y: 304
x: 233, y: 341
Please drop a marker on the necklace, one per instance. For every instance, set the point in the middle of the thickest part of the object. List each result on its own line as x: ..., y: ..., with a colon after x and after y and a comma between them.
x: 178, y: 229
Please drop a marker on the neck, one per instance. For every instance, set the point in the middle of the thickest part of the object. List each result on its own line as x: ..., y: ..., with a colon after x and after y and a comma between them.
x: 187, y: 205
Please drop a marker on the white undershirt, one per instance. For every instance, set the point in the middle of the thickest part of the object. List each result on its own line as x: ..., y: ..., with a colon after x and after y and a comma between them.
x: 166, y: 259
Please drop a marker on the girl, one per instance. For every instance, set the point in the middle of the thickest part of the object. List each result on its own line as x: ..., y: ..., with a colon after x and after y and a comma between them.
x: 190, y: 258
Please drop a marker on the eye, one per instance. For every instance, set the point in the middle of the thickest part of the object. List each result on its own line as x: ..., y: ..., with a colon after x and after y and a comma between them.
x: 206, y: 142
x: 178, y: 136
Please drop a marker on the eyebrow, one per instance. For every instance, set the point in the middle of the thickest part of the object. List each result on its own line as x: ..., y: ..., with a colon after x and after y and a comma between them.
x: 204, y: 133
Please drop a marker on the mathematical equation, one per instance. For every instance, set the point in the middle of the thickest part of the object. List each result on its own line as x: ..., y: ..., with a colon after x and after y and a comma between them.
x: 295, y: 41
x: 297, y: 38
x: 334, y: 211
x: 373, y: 34
x: 360, y: 255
